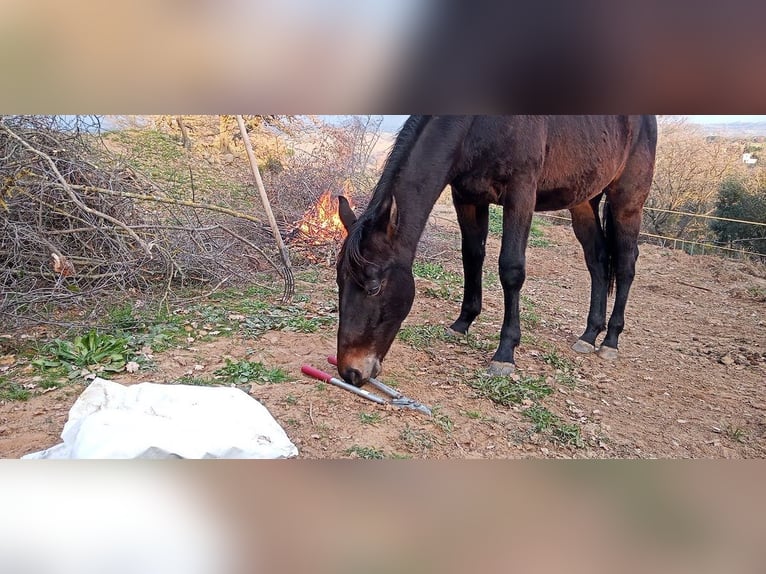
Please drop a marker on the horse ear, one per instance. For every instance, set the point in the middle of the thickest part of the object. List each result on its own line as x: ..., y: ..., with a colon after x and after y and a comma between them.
x: 393, y: 219
x: 346, y: 214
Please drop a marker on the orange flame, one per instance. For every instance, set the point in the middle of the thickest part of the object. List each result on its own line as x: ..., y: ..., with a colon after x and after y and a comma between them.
x: 322, y: 222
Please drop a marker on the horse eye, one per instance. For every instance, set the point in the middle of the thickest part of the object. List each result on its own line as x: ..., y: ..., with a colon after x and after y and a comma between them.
x: 373, y: 287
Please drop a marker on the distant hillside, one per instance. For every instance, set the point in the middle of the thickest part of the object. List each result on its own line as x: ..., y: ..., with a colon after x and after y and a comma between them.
x: 735, y: 129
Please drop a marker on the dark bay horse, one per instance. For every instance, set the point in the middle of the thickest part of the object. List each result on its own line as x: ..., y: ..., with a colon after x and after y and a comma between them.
x: 524, y: 164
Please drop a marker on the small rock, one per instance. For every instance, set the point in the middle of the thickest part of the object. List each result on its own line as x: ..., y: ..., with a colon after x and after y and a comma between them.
x: 726, y: 360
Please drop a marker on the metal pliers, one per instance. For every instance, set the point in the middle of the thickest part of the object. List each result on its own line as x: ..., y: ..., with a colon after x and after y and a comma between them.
x: 397, y: 399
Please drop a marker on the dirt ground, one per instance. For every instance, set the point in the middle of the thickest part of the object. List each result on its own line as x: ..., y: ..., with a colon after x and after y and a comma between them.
x: 690, y: 381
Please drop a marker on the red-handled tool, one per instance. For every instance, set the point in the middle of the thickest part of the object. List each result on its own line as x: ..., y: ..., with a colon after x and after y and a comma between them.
x: 393, y: 393
x: 397, y: 398
x: 327, y: 378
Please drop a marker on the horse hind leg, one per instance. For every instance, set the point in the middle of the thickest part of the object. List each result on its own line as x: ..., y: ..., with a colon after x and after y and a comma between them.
x: 474, y: 224
x: 587, y: 229
x: 625, y: 213
x: 625, y: 237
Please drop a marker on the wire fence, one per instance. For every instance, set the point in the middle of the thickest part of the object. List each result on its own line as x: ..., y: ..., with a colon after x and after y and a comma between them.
x: 691, y: 246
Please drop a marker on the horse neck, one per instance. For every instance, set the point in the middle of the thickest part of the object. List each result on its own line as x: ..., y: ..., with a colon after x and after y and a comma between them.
x: 429, y: 167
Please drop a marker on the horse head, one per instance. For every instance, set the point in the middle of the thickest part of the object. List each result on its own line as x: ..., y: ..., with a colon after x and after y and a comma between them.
x: 375, y: 286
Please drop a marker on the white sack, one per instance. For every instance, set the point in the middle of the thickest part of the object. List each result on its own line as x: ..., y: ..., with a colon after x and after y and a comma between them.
x: 150, y: 420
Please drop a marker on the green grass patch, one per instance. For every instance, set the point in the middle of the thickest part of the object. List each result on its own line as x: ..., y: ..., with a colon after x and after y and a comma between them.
x: 545, y: 421
x: 370, y: 418
x: 199, y: 381
x: 495, y: 220
x: 529, y: 339
x: 757, y: 293
x: 442, y: 292
x: 506, y: 391
x: 734, y: 433
x: 435, y: 272
x: 565, y: 368
x: 286, y: 318
x: 366, y: 452
x: 255, y: 291
x: 424, y: 336
x: 417, y: 439
x: 421, y: 336
x: 239, y: 372
x: 542, y: 418
x: 121, y: 317
x: 536, y: 233
x: 309, y: 276
x: 527, y: 313
x: 10, y: 391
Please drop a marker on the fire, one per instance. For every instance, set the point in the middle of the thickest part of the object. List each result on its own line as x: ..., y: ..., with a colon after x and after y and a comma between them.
x: 321, y: 223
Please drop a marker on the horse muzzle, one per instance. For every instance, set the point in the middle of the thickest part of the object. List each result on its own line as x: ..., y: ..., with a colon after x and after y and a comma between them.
x: 356, y: 370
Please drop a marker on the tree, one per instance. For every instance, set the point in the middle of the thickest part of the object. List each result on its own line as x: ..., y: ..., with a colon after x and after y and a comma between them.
x: 688, y: 172
x: 736, y: 201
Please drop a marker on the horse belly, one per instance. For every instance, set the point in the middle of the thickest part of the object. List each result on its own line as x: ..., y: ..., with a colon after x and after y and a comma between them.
x: 555, y: 199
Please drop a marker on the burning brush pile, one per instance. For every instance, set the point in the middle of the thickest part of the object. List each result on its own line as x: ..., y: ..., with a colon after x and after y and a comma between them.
x: 319, y: 233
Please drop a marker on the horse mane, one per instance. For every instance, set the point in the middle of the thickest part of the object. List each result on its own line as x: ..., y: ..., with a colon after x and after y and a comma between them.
x: 384, y: 189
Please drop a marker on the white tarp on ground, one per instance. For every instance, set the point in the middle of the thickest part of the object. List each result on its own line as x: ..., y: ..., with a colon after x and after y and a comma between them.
x: 149, y: 420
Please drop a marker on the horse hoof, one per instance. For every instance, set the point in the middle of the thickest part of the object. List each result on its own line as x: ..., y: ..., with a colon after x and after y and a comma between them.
x: 608, y: 353
x: 450, y: 333
x: 584, y: 347
x: 500, y: 369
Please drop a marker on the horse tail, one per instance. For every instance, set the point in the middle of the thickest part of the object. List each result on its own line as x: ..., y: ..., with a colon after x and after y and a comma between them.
x: 611, y: 246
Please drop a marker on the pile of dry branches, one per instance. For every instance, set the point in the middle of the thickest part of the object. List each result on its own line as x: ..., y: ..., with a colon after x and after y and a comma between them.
x: 75, y: 223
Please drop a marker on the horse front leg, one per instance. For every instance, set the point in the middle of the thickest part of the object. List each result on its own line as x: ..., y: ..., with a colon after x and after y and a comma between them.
x: 517, y: 221
x: 474, y: 223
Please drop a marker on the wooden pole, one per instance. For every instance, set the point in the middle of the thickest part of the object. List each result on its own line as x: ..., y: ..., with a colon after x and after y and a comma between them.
x: 288, y: 271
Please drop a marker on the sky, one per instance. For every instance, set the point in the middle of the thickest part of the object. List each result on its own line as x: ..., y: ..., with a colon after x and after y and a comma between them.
x: 393, y: 123
x: 725, y: 119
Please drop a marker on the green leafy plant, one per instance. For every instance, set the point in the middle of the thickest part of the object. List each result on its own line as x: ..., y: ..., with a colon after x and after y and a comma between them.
x: 441, y: 419
x: 568, y: 434
x: 94, y: 349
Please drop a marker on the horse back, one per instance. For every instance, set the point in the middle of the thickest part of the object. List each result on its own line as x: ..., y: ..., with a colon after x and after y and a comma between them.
x: 571, y: 158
